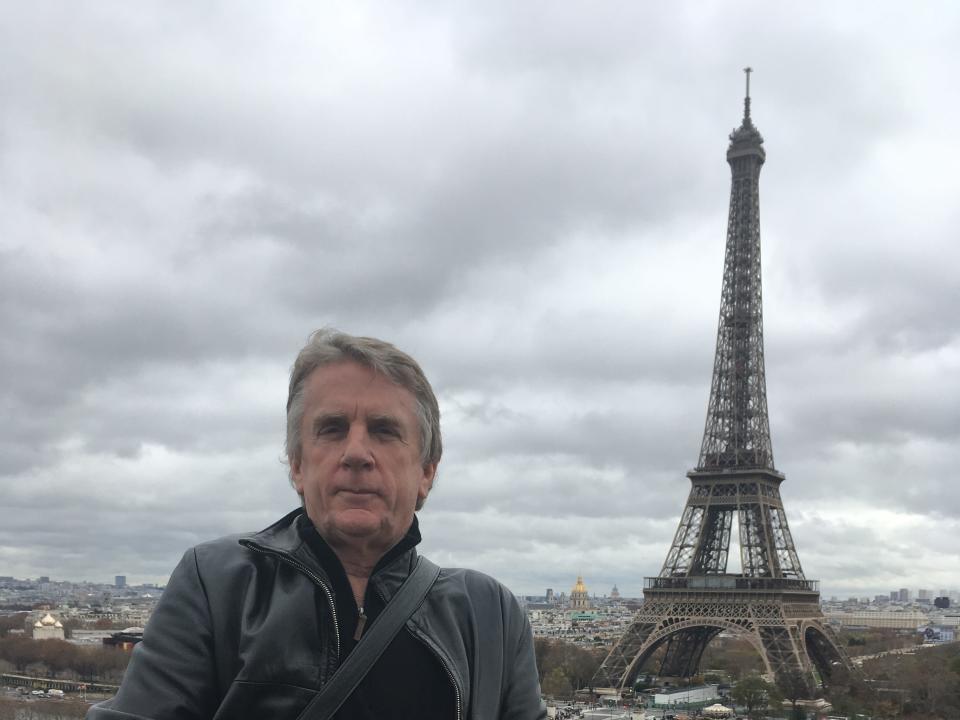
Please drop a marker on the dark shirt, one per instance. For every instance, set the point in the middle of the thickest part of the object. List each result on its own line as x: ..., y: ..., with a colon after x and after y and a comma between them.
x: 408, y: 680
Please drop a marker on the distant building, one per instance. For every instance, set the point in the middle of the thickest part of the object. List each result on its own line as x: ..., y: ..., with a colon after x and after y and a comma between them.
x: 43, y: 579
x: 120, y: 581
x: 942, y: 602
x: 924, y: 595
x: 579, y: 598
x: 908, y: 620
x: 549, y: 595
x: 89, y: 637
x: 48, y: 628
x: 125, y: 639
x: 938, y: 634
x: 686, y: 695
x: 615, y: 593
x: 904, y: 595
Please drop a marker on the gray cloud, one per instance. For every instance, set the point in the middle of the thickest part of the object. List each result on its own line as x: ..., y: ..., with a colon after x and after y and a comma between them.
x: 531, y: 199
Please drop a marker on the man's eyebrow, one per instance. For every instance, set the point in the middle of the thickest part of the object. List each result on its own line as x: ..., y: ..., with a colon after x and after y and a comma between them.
x: 385, y: 419
x: 324, y: 418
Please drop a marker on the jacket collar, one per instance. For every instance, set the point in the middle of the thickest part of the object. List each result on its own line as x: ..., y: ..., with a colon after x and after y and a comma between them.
x: 286, y: 538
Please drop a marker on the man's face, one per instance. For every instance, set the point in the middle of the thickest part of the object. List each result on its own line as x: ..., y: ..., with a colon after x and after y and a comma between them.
x: 359, y: 472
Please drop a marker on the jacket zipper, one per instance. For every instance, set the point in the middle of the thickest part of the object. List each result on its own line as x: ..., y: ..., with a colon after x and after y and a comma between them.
x: 313, y: 576
x: 361, y: 623
x: 436, y: 654
x: 443, y: 664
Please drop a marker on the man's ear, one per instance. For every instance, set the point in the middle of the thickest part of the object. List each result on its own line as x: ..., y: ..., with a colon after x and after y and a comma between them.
x: 296, y: 476
x: 426, y: 483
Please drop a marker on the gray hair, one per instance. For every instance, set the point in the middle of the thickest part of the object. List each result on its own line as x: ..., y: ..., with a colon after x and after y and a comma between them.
x: 328, y: 345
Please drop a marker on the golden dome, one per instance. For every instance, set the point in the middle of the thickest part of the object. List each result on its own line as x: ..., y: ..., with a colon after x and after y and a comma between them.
x: 48, y: 620
x: 579, y: 587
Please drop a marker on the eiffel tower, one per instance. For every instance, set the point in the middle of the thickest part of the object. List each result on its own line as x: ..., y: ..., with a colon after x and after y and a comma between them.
x: 770, y: 603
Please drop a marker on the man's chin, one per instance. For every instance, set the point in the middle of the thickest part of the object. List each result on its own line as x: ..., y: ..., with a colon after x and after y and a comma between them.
x: 358, y: 524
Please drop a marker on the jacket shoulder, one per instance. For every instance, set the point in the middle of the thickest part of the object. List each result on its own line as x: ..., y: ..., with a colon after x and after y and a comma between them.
x: 222, y: 550
x: 475, y: 583
x: 484, y: 596
x: 222, y: 562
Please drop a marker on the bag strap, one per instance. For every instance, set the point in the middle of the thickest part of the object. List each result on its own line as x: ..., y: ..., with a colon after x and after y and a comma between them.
x: 371, y: 646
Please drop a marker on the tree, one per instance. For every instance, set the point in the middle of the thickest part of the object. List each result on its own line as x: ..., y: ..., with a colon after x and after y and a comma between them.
x: 849, y: 693
x: 57, y: 655
x: 754, y: 693
x: 556, y: 684
x: 577, y: 664
x: 795, y: 686
x: 544, y: 650
x: 50, y: 710
x: 9, y: 708
x: 933, y: 689
x: 69, y: 625
x: 11, y: 622
x: 21, y: 651
x: 735, y: 656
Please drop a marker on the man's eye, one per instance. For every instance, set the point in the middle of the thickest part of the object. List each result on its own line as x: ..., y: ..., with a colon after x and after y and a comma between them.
x: 386, y: 430
x: 328, y: 429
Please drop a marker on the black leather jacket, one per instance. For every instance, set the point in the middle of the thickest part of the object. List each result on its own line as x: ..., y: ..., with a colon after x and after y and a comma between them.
x: 247, y: 628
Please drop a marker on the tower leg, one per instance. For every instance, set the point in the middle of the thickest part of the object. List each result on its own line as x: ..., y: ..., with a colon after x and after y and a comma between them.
x: 786, y: 659
x: 684, y: 650
x: 622, y: 658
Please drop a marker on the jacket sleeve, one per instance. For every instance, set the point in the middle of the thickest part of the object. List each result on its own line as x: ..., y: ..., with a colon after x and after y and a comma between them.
x: 522, y: 699
x: 171, y: 675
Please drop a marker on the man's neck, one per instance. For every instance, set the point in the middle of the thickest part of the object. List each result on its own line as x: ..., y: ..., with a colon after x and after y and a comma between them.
x: 358, y: 573
x: 359, y: 562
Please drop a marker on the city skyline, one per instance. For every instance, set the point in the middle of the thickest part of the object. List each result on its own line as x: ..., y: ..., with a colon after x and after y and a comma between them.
x: 532, y: 201
x: 557, y: 588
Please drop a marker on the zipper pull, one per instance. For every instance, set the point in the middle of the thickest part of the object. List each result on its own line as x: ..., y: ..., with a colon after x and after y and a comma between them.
x: 361, y: 621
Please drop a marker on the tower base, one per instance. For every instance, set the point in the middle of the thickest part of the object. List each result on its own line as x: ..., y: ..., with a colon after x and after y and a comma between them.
x: 780, y: 618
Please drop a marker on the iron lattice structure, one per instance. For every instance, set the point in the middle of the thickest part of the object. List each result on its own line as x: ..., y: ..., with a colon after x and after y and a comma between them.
x: 769, y: 603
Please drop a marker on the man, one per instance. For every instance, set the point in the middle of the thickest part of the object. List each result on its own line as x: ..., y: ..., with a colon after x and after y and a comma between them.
x: 255, y: 626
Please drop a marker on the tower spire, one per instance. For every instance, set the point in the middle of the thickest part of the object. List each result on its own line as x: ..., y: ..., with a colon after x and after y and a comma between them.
x: 746, y: 137
x: 737, y: 431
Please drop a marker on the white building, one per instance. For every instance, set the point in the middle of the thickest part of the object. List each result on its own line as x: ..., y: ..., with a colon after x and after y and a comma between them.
x: 907, y: 620
x: 693, y: 695
x: 579, y: 597
x: 48, y: 628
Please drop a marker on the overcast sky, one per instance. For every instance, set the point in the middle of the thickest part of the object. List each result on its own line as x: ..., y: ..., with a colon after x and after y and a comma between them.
x: 530, y: 198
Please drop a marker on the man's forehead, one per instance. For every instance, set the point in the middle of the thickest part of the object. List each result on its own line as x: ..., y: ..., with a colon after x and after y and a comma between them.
x: 348, y: 386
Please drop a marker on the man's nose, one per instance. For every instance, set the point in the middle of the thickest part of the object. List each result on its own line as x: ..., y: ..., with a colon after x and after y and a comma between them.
x: 356, y: 452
